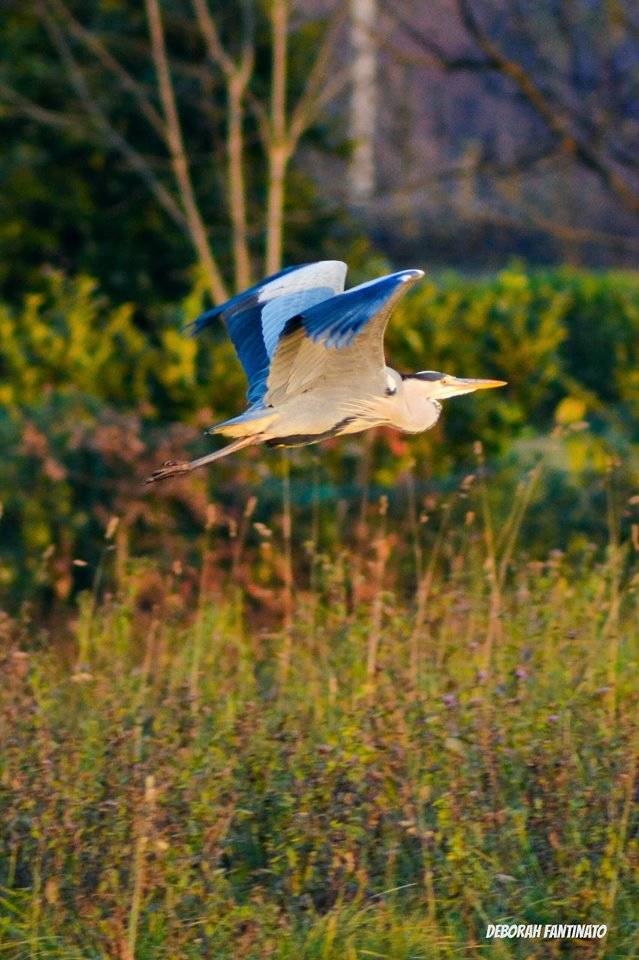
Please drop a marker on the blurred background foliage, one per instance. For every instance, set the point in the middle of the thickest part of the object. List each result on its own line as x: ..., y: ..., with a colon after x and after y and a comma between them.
x: 353, y: 699
x: 130, y: 204
x: 72, y: 201
x: 93, y: 398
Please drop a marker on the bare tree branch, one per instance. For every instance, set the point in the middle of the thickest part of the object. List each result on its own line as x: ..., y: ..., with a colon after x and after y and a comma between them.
x: 577, y: 136
x: 216, y: 51
x: 556, y: 120
x: 433, y: 53
x: 237, y: 182
x: 178, y: 154
x: 561, y: 231
x: 307, y: 104
x: 237, y: 77
x: 279, y: 146
x: 29, y: 108
x: 281, y: 137
x: 85, y: 54
x: 261, y: 115
x: 482, y: 167
x: 92, y: 42
x: 134, y: 159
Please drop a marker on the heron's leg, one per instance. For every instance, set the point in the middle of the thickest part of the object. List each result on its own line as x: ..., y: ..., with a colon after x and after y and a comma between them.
x: 172, y: 468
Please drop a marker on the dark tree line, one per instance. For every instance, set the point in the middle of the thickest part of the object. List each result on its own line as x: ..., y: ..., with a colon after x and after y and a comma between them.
x: 521, y: 115
x: 140, y: 138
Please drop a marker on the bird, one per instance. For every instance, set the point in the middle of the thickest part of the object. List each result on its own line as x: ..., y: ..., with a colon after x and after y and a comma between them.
x: 313, y: 354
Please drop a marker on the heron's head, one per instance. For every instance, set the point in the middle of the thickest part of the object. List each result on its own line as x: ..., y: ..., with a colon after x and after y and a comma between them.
x: 439, y: 386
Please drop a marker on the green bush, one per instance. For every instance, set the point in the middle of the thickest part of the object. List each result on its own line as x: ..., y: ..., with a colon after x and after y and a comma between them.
x: 68, y: 337
x: 91, y: 399
x: 550, y: 334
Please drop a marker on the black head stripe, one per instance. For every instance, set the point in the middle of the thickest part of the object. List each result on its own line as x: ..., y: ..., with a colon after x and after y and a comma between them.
x: 430, y: 375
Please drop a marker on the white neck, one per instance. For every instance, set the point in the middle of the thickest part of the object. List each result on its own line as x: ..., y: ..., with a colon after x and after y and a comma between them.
x: 410, y: 408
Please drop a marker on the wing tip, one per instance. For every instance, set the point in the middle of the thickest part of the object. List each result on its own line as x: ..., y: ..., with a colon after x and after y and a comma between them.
x: 224, y: 310
x: 344, y: 333
x: 193, y: 327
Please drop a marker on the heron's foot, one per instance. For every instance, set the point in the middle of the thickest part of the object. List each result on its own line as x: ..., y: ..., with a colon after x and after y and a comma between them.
x: 170, y: 468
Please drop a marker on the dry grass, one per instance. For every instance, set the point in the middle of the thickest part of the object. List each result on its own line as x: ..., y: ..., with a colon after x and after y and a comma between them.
x: 414, y: 740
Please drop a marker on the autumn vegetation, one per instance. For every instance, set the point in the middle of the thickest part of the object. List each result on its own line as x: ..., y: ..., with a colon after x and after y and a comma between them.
x: 352, y: 701
x: 359, y: 702
x: 374, y: 753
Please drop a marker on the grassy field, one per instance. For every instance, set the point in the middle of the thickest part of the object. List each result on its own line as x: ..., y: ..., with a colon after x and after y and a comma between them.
x: 370, y: 750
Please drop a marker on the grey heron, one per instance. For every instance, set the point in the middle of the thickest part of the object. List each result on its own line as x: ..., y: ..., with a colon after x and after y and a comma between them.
x: 313, y: 354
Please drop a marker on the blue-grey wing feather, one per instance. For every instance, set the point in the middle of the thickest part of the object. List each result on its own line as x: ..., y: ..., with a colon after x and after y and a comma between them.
x: 277, y: 311
x: 338, y: 341
x: 256, y: 317
x: 337, y: 322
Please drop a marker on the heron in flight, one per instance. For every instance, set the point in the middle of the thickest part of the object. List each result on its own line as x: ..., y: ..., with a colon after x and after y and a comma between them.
x: 313, y: 354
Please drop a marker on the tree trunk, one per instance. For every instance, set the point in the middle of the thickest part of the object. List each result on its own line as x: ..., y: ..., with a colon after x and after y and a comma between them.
x: 237, y: 186
x: 277, y: 162
x: 364, y: 15
x: 278, y: 151
x: 179, y: 159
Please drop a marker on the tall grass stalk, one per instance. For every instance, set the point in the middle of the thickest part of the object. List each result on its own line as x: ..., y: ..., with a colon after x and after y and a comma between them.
x: 424, y: 587
x: 614, y: 564
x: 379, y: 798
x: 201, y: 620
x: 144, y: 831
x: 512, y: 527
x: 490, y: 562
x: 287, y: 591
x: 382, y: 550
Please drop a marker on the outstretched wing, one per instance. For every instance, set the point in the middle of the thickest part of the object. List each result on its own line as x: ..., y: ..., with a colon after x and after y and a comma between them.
x: 339, y: 341
x: 255, y: 318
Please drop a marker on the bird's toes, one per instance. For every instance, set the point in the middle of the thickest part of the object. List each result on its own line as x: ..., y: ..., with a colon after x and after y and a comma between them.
x: 170, y: 468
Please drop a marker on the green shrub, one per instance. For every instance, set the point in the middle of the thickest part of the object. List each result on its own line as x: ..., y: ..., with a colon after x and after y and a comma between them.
x: 91, y: 400
x: 70, y: 339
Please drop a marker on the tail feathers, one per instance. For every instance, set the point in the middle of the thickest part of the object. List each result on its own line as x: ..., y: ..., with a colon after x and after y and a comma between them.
x: 172, y: 468
x: 247, y: 424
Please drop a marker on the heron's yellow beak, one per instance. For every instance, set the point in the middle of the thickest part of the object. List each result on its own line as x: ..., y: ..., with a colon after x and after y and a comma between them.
x: 480, y: 384
x: 456, y: 386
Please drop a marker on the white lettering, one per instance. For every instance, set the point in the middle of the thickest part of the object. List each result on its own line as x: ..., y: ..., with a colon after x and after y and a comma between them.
x: 549, y: 931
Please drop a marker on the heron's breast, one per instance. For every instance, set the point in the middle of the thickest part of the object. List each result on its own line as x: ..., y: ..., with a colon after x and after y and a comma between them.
x: 416, y: 417
x: 317, y: 415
